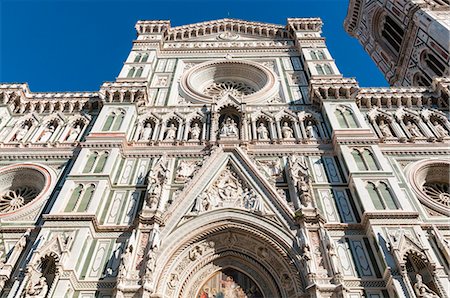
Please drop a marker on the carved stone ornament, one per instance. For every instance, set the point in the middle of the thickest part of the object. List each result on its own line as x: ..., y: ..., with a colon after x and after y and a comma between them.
x: 20, y: 185
x: 229, y: 191
x: 186, y: 170
x: 250, y: 81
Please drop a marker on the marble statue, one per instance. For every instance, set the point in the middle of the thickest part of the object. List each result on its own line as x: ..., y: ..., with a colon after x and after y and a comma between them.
x: 440, y: 129
x: 263, y: 133
x: 311, y: 131
x: 229, y: 128
x: 422, y: 290
x: 37, y: 289
x: 146, y: 133
x: 21, y: 132
x: 47, y: 134
x: 74, y: 133
x: 413, y: 130
x: 125, y: 261
x: 171, y: 132
x: 286, y: 131
x: 195, y: 131
x: 384, y: 128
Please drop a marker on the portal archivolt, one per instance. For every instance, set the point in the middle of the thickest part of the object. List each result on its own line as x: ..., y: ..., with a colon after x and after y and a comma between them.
x: 232, y: 258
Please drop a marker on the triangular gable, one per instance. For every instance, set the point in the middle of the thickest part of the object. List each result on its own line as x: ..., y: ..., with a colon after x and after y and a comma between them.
x: 229, y: 180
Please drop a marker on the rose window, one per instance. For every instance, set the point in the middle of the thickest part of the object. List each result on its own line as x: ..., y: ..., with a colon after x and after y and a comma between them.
x: 12, y: 200
x: 438, y: 192
x: 429, y: 179
x: 210, y: 81
x: 220, y: 89
x: 20, y: 185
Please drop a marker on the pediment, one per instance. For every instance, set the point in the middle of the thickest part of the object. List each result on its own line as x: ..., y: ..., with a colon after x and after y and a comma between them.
x: 229, y: 181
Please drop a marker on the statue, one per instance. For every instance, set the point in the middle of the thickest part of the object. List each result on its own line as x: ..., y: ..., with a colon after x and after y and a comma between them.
x: 384, y: 128
x: 229, y: 128
x: 22, y: 242
x: 263, y: 133
x: 195, y: 132
x: 286, y: 131
x: 202, y: 203
x: 151, y: 262
x: 413, y: 130
x: 125, y: 261
x: 73, y: 134
x: 37, y: 289
x: 185, y: 170
x: 252, y: 201
x: 21, y: 132
x: 442, y: 132
x: 146, y: 133
x: 155, y: 239
x: 311, y: 131
x: 171, y: 133
x: 47, y: 134
x: 422, y: 290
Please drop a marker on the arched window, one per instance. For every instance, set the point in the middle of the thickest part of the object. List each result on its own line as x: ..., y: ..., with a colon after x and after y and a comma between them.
x: 357, y: 156
x: 144, y: 57
x: 319, y: 69
x: 74, y: 198
x: 87, y: 196
x: 320, y: 55
x: 109, y: 121
x: 101, y: 162
x: 381, y: 196
x: 137, y: 58
x: 139, y: 72
x: 345, y: 117
x: 118, y: 121
x: 90, y: 162
x: 314, y: 55
x: 327, y: 69
x: 369, y: 160
x: 392, y: 33
x: 131, y: 72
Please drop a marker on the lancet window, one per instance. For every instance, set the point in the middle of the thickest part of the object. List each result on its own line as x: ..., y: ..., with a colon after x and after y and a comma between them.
x: 381, y: 196
x: 324, y: 69
x: 114, y: 120
x: 433, y: 63
x: 96, y: 162
x: 317, y: 55
x: 364, y: 159
x: 345, y: 117
x: 80, y: 198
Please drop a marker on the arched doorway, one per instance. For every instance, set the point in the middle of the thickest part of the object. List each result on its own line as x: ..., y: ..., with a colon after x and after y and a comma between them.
x: 229, y: 282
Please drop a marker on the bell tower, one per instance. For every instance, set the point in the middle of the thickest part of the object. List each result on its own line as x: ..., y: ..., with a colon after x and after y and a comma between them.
x: 409, y: 40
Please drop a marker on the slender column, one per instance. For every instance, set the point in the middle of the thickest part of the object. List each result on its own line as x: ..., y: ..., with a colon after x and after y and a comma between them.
x: 186, y: 130
x: 254, y: 130
x: 161, y: 132
x: 204, y: 131
x: 297, y: 133
x: 277, y: 123
x: 272, y: 130
x: 155, y: 131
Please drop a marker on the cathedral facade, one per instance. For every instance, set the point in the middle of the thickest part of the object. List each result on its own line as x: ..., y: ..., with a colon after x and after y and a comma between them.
x: 228, y: 159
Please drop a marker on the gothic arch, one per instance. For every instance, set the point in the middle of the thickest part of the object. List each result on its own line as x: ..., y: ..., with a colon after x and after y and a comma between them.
x: 228, y: 240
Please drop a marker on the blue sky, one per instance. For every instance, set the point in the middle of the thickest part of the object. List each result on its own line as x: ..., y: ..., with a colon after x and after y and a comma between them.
x: 76, y: 45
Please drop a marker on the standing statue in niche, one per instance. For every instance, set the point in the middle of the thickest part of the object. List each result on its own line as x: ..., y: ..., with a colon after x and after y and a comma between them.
x: 125, y: 261
x: 229, y: 128
x: 47, y: 134
x: 286, y: 131
x: 263, y: 133
x: 146, y: 133
x: 311, y: 130
x: 442, y: 132
x: 422, y: 290
x: 171, y: 132
x: 384, y: 128
x: 21, y: 132
x: 74, y: 133
x: 413, y: 130
x: 195, y: 131
x: 151, y: 262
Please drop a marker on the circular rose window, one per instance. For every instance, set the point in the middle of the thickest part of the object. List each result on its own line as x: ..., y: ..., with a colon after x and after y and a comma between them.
x: 210, y: 81
x: 430, y: 181
x: 20, y: 185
